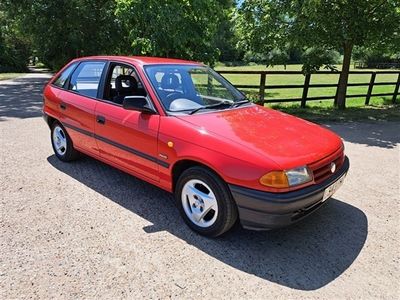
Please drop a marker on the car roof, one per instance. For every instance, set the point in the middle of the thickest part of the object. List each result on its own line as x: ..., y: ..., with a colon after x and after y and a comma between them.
x: 142, y: 60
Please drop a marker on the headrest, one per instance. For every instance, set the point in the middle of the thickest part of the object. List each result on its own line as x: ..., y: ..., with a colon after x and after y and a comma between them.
x: 125, y: 83
x: 169, y: 82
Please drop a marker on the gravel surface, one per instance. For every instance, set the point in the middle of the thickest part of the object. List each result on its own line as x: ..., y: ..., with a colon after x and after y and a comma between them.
x: 87, y: 230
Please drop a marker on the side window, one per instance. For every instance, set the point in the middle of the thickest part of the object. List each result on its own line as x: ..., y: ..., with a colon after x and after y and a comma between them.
x: 122, y: 81
x: 117, y: 71
x: 60, y: 81
x: 86, y: 78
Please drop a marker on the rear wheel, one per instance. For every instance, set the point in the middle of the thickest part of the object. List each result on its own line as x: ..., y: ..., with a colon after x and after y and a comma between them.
x: 205, y: 202
x: 62, y: 143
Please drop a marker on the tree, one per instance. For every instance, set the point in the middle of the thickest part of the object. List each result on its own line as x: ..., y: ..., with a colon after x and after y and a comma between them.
x: 14, y: 47
x: 172, y: 28
x: 315, y: 57
x: 226, y: 38
x: 370, y: 57
x: 61, y: 30
x: 325, y: 24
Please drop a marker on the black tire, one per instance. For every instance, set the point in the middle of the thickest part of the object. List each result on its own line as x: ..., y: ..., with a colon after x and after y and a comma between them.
x: 70, y: 154
x: 227, y: 210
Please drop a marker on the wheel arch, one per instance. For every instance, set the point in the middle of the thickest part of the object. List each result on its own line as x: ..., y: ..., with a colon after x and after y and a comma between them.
x: 180, y: 166
x: 50, y: 120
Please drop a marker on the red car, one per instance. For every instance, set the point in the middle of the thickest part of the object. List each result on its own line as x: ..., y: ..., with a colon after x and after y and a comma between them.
x: 184, y: 128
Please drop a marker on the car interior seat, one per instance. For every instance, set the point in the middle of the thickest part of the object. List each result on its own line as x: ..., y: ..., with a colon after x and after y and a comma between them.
x: 125, y: 85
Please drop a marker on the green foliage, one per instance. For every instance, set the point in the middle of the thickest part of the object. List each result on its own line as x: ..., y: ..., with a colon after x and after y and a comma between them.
x: 14, y: 50
x: 315, y: 57
x: 254, y: 57
x: 257, y: 25
x: 370, y: 57
x: 312, y: 58
x: 273, y: 57
x: 61, y: 30
x: 265, y: 25
x: 226, y: 37
x: 337, y: 22
x: 172, y: 28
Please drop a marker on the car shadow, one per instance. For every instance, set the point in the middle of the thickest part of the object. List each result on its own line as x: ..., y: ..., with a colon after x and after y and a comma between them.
x: 306, y: 256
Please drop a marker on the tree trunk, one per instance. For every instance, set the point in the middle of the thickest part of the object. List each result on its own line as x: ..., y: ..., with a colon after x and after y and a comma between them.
x: 344, y: 76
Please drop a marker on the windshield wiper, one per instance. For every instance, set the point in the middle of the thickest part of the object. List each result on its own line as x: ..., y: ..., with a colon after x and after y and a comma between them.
x: 223, y: 103
x: 241, y: 102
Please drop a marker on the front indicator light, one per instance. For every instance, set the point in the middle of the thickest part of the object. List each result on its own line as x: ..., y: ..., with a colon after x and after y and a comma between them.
x: 276, y: 179
x: 286, y: 179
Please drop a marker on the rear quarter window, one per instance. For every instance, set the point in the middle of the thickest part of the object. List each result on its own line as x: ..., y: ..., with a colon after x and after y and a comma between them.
x: 62, y: 78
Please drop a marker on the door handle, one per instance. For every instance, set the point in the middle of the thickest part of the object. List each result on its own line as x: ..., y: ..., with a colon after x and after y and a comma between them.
x: 100, y: 119
x: 63, y: 106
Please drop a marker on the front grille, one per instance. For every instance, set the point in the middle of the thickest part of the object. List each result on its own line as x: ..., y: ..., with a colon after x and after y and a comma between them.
x: 322, y: 168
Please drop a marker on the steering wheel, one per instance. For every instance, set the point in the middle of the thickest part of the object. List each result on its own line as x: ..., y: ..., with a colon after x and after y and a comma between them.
x: 174, y: 95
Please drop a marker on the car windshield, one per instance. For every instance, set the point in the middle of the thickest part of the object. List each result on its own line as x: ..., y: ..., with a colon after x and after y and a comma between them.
x: 190, y: 88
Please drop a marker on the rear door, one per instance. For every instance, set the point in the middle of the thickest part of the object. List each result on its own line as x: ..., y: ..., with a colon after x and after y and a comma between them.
x: 78, y: 104
x: 51, y: 93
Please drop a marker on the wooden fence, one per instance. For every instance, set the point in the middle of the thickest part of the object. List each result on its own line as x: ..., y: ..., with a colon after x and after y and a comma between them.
x: 263, y: 87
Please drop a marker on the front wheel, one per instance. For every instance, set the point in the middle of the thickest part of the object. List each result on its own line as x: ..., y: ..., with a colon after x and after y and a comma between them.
x: 205, y: 202
x: 62, y: 143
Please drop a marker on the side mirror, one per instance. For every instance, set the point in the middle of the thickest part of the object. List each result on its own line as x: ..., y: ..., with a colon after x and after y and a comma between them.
x: 138, y: 103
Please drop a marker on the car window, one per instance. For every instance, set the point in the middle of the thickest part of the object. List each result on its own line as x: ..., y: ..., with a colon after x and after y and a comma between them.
x: 187, y: 87
x: 169, y: 80
x: 122, y: 81
x: 117, y: 71
x: 60, y: 81
x: 86, y: 78
x: 208, y: 86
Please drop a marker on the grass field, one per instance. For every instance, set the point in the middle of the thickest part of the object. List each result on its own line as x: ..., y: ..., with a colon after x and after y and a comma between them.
x: 320, y: 78
x: 5, y: 76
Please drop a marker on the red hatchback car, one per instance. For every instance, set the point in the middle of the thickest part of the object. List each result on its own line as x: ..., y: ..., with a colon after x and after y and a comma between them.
x: 184, y: 128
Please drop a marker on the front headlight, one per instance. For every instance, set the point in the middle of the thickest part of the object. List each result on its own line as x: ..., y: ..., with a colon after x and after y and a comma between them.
x: 298, y: 176
x: 286, y: 179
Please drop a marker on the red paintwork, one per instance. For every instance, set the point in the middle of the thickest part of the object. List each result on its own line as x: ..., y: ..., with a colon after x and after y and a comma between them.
x: 240, y: 145
x: 132, y: 129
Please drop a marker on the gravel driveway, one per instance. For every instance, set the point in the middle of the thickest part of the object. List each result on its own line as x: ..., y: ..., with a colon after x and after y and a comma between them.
x: 87, y: 230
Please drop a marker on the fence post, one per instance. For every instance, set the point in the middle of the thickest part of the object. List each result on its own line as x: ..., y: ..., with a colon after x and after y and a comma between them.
x: 262, y: 87
x: 370, y: 87
x: 305, y: 90
x: 396, y: 90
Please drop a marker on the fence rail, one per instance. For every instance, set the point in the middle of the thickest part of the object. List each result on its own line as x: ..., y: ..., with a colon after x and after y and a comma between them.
x: 263, y: 87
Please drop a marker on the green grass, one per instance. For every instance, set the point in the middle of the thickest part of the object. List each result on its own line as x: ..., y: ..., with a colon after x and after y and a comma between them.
x: 5, y: 76
x: 351, y: 114
x: 313, y: 92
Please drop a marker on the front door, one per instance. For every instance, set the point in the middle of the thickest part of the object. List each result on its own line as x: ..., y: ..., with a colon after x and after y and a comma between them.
x: 125, y: 137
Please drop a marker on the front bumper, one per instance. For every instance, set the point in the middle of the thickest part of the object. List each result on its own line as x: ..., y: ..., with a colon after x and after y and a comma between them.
x: 260, y: 210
